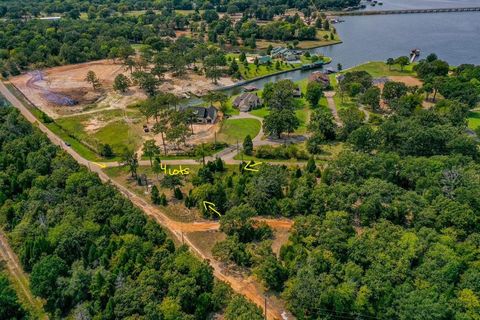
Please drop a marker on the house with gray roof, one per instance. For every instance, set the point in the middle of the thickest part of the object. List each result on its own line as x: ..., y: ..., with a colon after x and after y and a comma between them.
x: 247, y: 101
x: 204, y: 115
x: 284, y: 53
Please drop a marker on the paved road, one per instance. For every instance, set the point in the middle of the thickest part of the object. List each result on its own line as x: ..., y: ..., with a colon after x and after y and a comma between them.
x: 250, y: 290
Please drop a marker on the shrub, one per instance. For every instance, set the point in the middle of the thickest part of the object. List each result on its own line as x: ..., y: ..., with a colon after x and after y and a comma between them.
x: 281, y: 152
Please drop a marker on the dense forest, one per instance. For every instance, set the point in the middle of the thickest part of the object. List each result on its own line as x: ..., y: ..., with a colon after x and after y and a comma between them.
x: 90, y: 253
x: 87, y: 32
x: 389, y: 229
x: 39, y: 44
x: 18, y: 9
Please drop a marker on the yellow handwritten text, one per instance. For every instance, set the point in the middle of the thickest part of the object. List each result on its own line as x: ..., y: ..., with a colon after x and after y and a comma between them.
x: 174, y: 172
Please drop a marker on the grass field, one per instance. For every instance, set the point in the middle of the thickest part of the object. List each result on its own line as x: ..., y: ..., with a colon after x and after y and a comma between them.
x: 305, y: 44
x: 474, y: 120
x: 237, y: 129
x: 116, y: 132
x: 380, y: 69
x: 262, y: 112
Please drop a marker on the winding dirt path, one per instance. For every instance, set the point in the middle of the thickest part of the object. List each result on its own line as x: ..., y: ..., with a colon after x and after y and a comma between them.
x: 332, y: 106
x: 22, y: 284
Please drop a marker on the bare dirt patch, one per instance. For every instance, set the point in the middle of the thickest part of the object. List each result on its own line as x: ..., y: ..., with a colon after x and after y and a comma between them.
x: 53, y: 89
x: 192, y: 83
x: 48, y: 89
x: 94, y: 124
x: 408, y: 80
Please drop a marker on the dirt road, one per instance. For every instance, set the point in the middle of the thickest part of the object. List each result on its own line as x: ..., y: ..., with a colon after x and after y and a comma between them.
x: 239, y: 284
x: 332, y: 106
x: 20, y: 278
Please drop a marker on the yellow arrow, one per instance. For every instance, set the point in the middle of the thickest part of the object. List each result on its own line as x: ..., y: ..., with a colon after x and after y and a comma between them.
x: 249, y: 166
x: 210, y: 206
x: 101, y: 165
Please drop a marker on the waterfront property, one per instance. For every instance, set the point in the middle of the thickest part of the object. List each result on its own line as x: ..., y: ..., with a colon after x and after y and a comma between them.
x: 320, y: 78
x: 247, y: 101
x: 285, y: 54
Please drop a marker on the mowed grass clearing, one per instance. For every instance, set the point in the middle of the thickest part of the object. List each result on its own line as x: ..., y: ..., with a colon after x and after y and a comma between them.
x: 116, y: 131
x: 474, y: 119
x: 237, y: 129
x: 380, y: 69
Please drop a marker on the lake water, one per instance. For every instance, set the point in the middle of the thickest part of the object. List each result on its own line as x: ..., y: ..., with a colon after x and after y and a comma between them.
x: 454, y: 37
x: 422, y: 4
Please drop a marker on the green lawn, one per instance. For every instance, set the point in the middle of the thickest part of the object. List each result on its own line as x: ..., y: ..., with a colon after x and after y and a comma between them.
x: 380, y: 69
x: 303, y: 116
x: 118, y: 135
x: 474, y: 120
x: 75, y: 144
x: 116, y: 132
x: 346, y: 103
x: 251, y: 71
x: 304, y: 44
x: 262, y: 112
x: 230, y: 109
x: 237, y: 129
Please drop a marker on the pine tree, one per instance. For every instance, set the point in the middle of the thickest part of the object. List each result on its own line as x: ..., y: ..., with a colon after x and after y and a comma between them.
x: 155, y: 195
x: 178, y: 194
x: 248, y: 145
x: 311, y: 166
x: 163, y: 200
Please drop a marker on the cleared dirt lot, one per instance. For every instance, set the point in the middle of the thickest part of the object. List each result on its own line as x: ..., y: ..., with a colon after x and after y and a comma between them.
x: 45, y: 88
x: 408, y: 80
x: 51, y: 89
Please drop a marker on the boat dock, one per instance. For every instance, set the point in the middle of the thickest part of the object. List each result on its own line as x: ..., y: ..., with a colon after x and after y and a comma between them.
x: 414, y: 54
x: 404, y: 11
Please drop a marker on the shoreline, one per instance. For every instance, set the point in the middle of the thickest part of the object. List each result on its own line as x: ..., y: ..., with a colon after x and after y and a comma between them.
x: 244, y: 82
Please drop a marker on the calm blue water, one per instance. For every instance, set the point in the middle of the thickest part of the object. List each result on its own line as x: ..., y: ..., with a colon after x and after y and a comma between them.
x: 421, y: 4
x: 454, y: 37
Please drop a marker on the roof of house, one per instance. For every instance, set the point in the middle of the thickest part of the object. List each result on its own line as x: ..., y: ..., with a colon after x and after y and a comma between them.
x: 203, y: 113
x: 262, y: 59
x: 281, y: 51
x: 246, y: 100
x: 319, y: 77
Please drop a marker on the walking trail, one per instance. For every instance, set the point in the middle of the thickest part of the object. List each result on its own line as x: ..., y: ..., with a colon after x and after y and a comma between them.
x: 275, y: 307
x: 333, y: 108
x: 21, y: 282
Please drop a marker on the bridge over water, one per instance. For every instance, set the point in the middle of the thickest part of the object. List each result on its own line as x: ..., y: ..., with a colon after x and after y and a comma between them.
x: 405, y: 11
